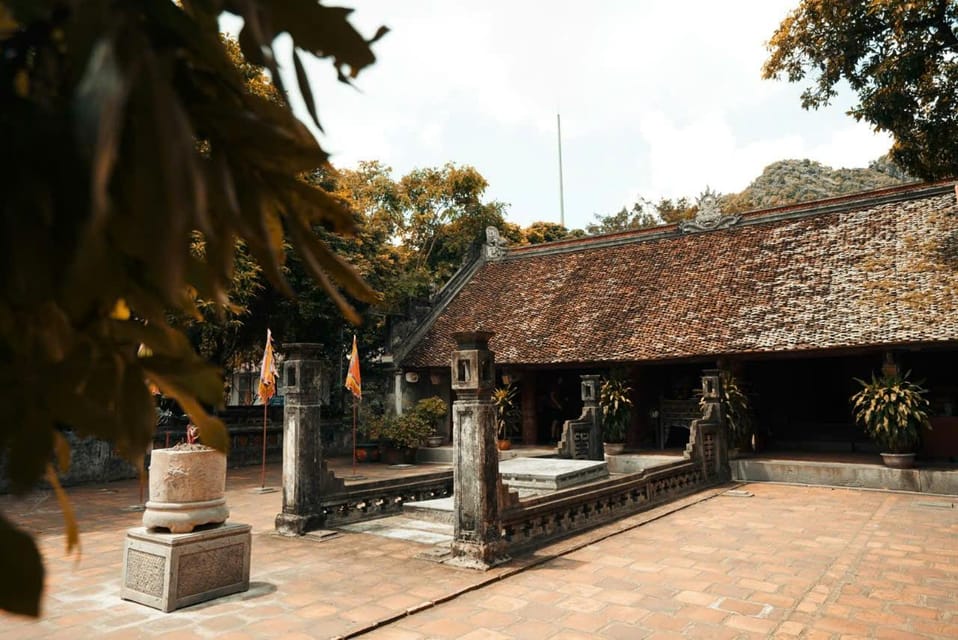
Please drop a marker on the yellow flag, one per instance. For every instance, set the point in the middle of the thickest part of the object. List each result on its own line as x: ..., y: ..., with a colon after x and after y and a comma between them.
x: 267, y: 371
x: 353, y: 379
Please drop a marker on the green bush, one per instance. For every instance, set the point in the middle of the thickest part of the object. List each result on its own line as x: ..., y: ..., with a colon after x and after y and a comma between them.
x: 410, y: 429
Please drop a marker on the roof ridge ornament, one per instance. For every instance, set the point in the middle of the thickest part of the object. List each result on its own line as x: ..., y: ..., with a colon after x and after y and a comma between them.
x: 709, y: 217
x: 495, y: 247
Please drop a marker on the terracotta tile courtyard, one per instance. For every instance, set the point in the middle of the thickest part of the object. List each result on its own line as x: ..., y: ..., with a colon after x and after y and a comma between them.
x: 752, y: 561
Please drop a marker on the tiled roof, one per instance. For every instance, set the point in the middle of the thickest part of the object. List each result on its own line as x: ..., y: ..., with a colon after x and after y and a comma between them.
x: 843, y: 273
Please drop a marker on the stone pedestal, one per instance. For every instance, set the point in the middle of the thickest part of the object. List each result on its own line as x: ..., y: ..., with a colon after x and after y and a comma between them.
x: 302, y: 444
x: 477, y: 542
x: 168, y: 571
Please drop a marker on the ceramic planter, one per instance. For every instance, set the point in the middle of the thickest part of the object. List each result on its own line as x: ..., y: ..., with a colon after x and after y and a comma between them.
x: 898, y: 460
x: 187, y: 488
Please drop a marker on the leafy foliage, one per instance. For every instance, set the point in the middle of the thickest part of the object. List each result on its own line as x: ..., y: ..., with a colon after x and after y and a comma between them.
x: 409, y: 429
x: 639, y: 216
x: 135, y: 134
x: 616, y: 407
x: 503, y: 399
x: 738, y: 411
x: 892, y: 410
x: 901, y: 58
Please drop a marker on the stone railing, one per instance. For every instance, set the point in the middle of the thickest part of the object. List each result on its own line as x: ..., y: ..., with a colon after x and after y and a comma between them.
x: 381, y: 498
x: 538, y: 520
x: 531, y: 522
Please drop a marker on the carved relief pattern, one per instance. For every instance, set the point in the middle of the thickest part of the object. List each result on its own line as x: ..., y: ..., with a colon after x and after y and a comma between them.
x: 207, y: 570
x: 145, y: 572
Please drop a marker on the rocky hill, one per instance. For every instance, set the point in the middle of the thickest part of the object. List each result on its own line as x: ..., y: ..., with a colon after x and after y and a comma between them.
x: 792, y: 181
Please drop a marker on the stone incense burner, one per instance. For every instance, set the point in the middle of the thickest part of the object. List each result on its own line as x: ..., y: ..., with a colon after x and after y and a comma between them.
x: 187, y: 488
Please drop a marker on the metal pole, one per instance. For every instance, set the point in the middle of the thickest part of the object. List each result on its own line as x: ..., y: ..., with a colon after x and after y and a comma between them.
x: 354, y: 435
x: 262, y: 473
x: 561, y: 189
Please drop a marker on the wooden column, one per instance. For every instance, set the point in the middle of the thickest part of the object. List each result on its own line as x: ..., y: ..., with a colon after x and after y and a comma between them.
x: 530, y: 427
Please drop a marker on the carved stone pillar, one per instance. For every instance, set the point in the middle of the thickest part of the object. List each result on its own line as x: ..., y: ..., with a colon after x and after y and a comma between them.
x: 303, y: 467
x: 477, y: 541
x: 708, y: 437
x: 582, y: 438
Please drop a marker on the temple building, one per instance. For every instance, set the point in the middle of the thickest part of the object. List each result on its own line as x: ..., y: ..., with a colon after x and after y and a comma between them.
x: 795, y: 301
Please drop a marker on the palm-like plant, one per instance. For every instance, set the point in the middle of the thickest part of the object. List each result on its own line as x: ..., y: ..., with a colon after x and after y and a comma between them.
x: 892, y: 410
x: 503, y: 399
x: 616, y: 408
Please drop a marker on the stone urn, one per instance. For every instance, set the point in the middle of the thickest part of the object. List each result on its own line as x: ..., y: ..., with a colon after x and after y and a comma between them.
x: 187, y: 488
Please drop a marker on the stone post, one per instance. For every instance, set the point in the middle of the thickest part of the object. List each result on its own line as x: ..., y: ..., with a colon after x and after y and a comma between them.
x: 582, y: 438
x: 708, y: 435
x: 302, y: 444
x: 477, y: 541
x: 589, y: 387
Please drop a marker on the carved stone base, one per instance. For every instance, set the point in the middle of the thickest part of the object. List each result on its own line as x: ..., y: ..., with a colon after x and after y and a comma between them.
x: 168, y: 571
x: 293, y: 524
x: 477, y: 555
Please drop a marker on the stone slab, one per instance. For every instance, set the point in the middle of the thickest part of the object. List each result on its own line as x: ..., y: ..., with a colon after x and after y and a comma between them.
x: 634, y: 463
x: 551, y: 473
x: 168, y: 571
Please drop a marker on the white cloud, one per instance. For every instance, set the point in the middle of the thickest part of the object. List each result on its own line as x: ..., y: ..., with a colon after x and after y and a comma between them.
x: 658, y: 98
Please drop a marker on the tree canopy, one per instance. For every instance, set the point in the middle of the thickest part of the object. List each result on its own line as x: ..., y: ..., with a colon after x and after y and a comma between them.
x: 901, y: 58
x: 136, y: 137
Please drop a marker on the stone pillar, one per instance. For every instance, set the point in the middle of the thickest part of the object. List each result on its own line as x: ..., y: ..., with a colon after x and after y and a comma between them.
x: 582, y: 438
x: 477, y: 541
x: 530, y: 428
x: 303, y: 467
x: 589, y: 389
x: 708, y: 437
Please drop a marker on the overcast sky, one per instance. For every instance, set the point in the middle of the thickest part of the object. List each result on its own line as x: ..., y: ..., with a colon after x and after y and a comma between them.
x: 657, y: 98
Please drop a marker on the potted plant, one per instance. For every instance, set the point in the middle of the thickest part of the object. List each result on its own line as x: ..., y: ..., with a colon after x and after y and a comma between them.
x: 403, y: 434
x: 434, y: 411
x: 892, y: 410
x: 616, y: 407
x: 503, y: 398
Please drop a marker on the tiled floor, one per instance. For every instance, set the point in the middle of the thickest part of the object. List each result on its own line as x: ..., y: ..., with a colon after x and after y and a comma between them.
x: 782, y: 562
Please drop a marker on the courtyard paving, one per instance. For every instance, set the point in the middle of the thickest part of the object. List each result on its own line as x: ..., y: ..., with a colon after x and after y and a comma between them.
x: 752, y: 561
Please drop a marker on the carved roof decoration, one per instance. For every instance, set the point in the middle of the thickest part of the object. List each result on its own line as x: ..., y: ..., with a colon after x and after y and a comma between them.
x: 873, y: 269
x: 708, y: 218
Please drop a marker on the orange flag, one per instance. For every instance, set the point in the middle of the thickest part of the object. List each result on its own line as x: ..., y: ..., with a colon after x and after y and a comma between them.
x: 353, y: 379
x: 267, y: 371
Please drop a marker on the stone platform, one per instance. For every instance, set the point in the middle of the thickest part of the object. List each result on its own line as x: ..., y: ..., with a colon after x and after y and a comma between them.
x: 529, y: 476
x: 550, y: 473
x: 167, y: 571
x: 868, y: 473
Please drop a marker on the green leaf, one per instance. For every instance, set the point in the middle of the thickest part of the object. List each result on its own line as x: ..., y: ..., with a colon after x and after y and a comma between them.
x: 22, y: 569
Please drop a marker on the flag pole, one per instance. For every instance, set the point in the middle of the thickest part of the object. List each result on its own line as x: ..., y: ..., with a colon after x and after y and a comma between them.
x: 262, y: 471
x: 355, y: 411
